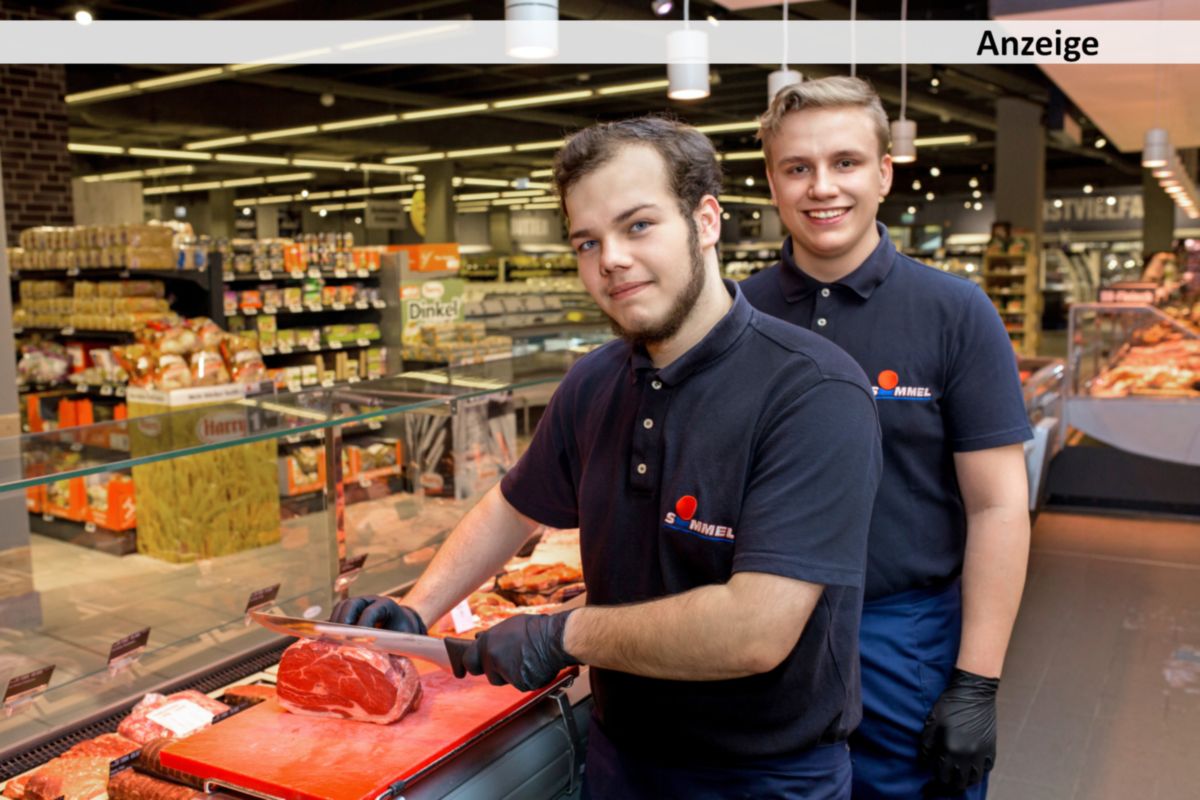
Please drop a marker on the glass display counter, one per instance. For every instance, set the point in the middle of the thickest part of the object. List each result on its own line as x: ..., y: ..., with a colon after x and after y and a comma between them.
x: 133, y: 550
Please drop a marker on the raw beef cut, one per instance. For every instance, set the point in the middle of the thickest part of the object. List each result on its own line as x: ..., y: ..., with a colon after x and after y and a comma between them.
x: 177, y: 715
x: 130, y: 785
x: 149, y: 761
x: 69, y: 778
x: 328, y: 680
x: 107, y: 745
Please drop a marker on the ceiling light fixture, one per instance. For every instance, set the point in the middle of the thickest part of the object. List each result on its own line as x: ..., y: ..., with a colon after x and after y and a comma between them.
x: 1101, y: 143
x: 935, y: 171
x: 661, y: 7
x: 1156, y: 149
x: 687, y: 62
x: 782, y: 77
x: 904, y: 131
x: 84, y: 17
x: 1088, y: 188
x: 531, y: 28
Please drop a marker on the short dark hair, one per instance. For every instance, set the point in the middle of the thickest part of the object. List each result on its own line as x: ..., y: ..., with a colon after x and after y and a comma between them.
x: 689, y: 156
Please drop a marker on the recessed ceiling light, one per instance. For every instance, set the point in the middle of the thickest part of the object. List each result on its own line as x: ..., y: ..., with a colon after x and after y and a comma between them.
x: 83, y: 16
x: 934, y: 171
x: 661, y: 7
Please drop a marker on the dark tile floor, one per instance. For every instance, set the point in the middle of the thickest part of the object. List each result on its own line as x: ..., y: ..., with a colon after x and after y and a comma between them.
x: 1100, y: 698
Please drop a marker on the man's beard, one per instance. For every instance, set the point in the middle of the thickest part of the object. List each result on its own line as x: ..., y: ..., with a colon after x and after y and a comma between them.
x: 669, y: 325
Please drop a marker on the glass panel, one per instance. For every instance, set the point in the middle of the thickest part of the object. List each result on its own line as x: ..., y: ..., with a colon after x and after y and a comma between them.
x: 171, y: 519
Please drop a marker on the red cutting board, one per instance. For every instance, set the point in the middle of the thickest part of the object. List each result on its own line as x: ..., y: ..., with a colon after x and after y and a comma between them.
x: 270, y: 750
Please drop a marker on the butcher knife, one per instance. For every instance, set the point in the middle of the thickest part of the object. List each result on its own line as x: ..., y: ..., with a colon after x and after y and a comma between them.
x: 446, y: 653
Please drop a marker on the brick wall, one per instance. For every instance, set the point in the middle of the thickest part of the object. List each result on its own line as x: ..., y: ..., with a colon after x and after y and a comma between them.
x: 33, y: 141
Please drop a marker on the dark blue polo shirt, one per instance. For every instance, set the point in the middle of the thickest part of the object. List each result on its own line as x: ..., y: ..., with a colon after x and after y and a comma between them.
x: 755, y: 451
x: 946, y: 382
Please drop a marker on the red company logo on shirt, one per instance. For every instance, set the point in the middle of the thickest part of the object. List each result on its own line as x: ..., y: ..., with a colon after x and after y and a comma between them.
x: 682, y: 519
x: 887, y: 387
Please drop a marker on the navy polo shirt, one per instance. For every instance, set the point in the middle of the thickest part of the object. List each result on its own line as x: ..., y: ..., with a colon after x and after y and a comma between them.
x: 946, y: 382
x: 755, y: 451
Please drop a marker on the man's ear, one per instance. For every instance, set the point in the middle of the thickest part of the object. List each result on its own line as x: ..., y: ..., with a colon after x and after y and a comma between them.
x: 708, y: 221
x: 885, y: 175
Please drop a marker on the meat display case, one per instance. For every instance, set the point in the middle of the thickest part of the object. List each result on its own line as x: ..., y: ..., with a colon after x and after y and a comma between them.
x: 1133, y: 380
x: 75, y: 654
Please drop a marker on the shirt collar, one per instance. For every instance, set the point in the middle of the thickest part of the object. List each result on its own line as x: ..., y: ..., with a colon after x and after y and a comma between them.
x: 798, y: 284
x: 715, y: 343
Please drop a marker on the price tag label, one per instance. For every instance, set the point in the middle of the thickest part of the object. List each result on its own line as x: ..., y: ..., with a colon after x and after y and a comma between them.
x: 340, y: 273
x: 363, y: 342
x: 262, y: 597
x: 124, y: 273
x: 227, y: 276
x: 83, y: 387
x: 379, y: 304
x: 375, y: 425
x: 106, y: 391
x: 362, y: 305
x: 90, y: 527
x: 181, y: 717
x: 314, y: 273
x: 338, y: 306
x: 125, y: 652
x: 73, y: 272
x: 296, y: 275
x: 47, y: 518
x: 285, y: 348
x: 295, y: 308
x: 362, y: 273
x: 294, y: 386
x: 268, y: 351
x: 348, y: 571
x: 462, y: 617
x: 22, y: 689
x: 312, y: 348
x: 354, y: 379
x: 270, y: 310
x: 313, y: 306
x: 335, y: 345
x: 264, y: 275
x: 327, y: 384
x: 250, y: 311
x: 68, y: 331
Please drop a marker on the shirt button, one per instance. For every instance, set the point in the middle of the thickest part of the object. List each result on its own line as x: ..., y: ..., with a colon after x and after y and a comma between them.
x: 656, y: 384
x: 825, y: 292
x: 822, y: 322
x: 647, y: 423
x: 641, y: 469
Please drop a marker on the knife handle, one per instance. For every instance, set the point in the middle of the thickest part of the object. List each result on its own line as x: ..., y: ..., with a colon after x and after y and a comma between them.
x: 456, y: 649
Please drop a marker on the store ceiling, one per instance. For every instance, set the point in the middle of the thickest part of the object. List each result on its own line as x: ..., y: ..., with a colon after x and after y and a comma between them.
x: 291, y: 97
x: 1123, y: 101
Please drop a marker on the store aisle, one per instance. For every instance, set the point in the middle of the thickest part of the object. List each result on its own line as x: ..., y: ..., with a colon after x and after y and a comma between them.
x: 1101, y: 692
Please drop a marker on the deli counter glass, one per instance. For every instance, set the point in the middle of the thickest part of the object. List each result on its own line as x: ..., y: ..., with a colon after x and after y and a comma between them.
x: 134, y: 550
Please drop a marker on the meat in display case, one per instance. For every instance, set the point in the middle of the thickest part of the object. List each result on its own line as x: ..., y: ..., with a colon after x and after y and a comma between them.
x: 138, y: 672
x: 1133, y: 380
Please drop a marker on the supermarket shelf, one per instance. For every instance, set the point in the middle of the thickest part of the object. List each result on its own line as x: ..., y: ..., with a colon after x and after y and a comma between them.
x: 268, y: 275
x: 327, y: 348
x: 318, y: 436
x: 549, y: 329
x: 117, y: 543
x: 108, y: 391
x: 69, y: 332
x: 199, y: 276
x: 336, y: 308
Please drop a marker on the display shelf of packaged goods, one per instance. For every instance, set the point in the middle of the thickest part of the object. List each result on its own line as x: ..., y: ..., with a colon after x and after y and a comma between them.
x: 85, y: 534
x: 1007, y: 275
x: 77, y: 333
x: 296, y: 275
x: 314, y: 310
x: 199, y: 276
x: 104, y: 391
x: 328, y: 347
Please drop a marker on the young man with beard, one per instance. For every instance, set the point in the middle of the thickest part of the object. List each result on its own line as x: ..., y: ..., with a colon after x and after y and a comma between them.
x: 950, y: 529
x: 720, y: 465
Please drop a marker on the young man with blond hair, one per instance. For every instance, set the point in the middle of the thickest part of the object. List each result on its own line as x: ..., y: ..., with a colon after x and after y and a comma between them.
x: 720, y: 465
x: 949, y: 535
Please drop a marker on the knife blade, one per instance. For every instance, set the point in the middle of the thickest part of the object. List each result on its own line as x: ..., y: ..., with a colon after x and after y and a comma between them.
x: 447, y: 653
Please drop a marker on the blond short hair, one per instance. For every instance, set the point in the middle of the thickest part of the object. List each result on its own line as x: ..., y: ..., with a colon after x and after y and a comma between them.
x: 838, y: 91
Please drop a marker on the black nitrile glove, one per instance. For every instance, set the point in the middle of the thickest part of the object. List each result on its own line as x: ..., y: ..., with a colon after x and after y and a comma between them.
x: 959, y: 739
x: 377, y: 611
x: 526, y: 651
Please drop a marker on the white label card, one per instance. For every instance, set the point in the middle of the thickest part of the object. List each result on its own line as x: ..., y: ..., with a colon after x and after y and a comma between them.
x: 181, y: 717
x: 462, y: 617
